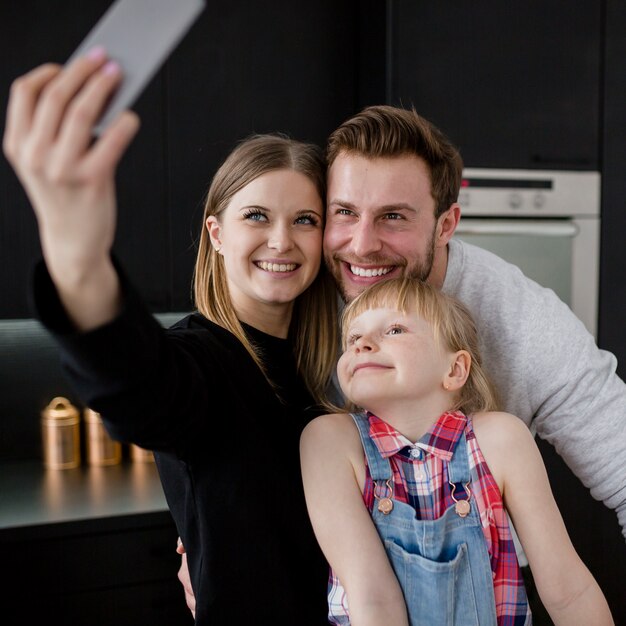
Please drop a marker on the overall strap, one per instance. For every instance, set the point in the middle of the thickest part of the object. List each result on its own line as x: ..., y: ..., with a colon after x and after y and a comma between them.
x: 379, y: 468
x: 458, y: 468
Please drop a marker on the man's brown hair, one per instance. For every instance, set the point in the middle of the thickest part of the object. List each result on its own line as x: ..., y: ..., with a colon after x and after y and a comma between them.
x: 385, y: 131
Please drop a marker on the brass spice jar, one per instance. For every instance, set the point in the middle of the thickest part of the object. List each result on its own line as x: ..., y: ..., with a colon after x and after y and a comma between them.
x: 101, y: 449
x: 60, y: 429
x: 141, y: 455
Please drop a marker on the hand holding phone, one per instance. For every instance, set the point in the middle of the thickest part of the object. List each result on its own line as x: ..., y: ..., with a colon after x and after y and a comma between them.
x: 139, y: 35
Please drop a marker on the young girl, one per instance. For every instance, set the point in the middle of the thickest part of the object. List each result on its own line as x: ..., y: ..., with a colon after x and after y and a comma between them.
x: 223, y: 396
x: 418, y: 533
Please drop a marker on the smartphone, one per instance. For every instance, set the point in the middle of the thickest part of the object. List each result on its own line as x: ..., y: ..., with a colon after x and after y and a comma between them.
x: 139, y: 35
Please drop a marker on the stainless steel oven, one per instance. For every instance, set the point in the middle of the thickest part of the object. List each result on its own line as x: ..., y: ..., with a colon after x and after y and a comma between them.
x: 545, y: 222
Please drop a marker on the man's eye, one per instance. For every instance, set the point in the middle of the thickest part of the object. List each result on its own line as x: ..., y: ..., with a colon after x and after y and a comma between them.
x: 344, y: 212
x: 393, y: 216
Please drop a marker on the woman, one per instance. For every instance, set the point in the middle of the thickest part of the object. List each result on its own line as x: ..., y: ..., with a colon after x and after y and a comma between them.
x: 222, y: 396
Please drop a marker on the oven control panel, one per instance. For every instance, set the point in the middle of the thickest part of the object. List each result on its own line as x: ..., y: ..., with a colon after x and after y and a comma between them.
x: 529, y: 193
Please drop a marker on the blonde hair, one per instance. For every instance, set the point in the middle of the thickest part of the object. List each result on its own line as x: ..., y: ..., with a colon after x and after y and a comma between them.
x: 452, y: 325
x: 313, y: 328
x: 385, y: 131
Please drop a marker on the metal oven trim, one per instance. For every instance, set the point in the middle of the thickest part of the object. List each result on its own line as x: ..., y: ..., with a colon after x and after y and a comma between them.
x: 544, y: 204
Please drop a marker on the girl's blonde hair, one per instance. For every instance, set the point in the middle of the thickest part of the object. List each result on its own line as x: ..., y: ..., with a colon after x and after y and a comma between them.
x: 313, y: 328
x: 452, y: 325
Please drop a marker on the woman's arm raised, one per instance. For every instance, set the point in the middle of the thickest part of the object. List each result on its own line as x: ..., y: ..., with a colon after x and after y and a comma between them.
x: 70, y: 178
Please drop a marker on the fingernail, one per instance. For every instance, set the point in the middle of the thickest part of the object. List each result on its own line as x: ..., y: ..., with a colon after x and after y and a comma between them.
x: 96, y: 53
x: 111, y: 68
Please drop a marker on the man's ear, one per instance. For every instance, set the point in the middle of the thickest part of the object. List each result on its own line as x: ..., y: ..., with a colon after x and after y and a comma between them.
x: 446, y: 224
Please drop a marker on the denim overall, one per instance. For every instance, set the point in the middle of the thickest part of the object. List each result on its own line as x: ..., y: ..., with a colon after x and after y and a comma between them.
x: 442, y: 565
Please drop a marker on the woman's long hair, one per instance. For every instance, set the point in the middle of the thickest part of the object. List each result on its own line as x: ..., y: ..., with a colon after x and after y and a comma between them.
x: 313, y: 328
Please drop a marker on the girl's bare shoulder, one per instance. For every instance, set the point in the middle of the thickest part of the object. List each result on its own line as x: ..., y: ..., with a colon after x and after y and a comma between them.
x: 504, y: 440
x: 333, y: 439
x: 332, y: 430
x: 498, y: 427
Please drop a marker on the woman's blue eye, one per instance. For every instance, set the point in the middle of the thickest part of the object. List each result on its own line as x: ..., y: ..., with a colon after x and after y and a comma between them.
x: 307, y: 219
x: 255, y: 216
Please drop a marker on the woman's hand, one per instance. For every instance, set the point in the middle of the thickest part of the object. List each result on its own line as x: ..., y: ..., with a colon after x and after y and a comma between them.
x: 69, y: 177
x: 185, y: 579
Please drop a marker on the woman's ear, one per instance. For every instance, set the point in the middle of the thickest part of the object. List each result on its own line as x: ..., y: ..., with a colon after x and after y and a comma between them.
x: 458, y: 372
x: 213, y: 228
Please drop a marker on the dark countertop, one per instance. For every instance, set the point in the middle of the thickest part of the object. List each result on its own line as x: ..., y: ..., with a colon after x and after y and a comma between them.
x: 31, y: 495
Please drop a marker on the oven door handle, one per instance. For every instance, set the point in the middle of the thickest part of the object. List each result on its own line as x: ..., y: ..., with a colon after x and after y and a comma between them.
x: 540, y: 228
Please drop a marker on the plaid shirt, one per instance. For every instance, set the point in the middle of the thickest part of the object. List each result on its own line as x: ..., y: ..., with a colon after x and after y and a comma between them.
x: 420, y: 475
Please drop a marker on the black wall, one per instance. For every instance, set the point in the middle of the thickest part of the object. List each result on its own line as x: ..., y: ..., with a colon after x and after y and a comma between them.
x: 516, y: 84
x: 613, y: 161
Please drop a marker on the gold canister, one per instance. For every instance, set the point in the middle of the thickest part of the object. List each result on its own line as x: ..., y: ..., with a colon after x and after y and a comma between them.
x: 101, y: 449
x: 141, y: 454
x: 60, y: 428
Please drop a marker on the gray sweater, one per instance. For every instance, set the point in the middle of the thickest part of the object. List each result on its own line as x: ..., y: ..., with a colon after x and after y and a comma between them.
x: 547, y: 368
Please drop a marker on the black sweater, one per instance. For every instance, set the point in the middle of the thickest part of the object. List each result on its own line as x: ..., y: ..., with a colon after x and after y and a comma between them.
x: 226, y: 450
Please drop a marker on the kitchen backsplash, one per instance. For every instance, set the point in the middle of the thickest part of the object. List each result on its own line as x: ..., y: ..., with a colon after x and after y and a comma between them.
x: 30, y: 376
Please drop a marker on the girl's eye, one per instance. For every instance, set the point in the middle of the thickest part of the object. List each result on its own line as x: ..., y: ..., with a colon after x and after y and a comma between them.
x: 254, y: 215
x: 395, y: 330
x: 352, y: 339
x: 311, y: 220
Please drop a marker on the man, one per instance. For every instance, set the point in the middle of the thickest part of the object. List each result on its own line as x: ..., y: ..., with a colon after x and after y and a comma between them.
x: 393, y: 184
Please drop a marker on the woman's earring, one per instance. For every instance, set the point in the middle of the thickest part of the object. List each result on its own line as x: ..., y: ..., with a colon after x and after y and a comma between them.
x: 217, y: 248
x: 446, y: 386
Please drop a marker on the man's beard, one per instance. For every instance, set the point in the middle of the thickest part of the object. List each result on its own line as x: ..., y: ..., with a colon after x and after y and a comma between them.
x: 420, y: 270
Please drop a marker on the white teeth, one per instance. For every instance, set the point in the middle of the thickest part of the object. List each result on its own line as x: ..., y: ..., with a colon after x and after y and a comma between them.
x: 276, y: 267
x: 359, y: 271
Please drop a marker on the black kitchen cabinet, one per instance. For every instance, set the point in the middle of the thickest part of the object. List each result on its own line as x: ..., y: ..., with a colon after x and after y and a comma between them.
x: 118, y: 571
x: 612, y: 330
x: 90, y: 545
x: 515, y: 85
